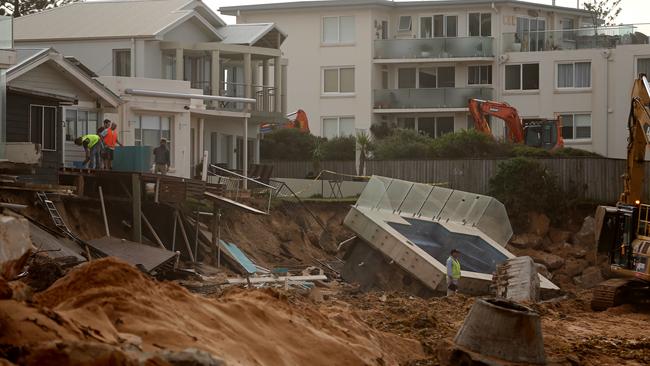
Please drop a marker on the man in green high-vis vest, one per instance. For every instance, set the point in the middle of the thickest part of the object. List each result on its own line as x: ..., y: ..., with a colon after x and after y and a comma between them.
x: 453, y: 272
x: 92, y: 145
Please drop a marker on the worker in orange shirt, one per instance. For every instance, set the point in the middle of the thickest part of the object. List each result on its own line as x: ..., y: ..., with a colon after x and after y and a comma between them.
x: 110, y: 140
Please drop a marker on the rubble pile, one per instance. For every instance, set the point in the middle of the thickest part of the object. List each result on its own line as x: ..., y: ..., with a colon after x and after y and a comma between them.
x: 111, y: 309
x: 567, y: 258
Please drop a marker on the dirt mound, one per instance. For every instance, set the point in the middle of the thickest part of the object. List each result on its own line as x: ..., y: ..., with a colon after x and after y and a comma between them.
x: 109, y: 302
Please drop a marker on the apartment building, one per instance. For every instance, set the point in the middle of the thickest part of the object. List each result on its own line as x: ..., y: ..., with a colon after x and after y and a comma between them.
x: 171, y: 62
x: 355, y: 63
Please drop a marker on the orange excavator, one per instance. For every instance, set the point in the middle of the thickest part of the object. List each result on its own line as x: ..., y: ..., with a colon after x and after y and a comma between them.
x: 299, y: 122
x: 545, y: 134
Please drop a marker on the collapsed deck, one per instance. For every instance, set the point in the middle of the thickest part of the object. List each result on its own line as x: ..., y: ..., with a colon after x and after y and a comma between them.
x: 415, y: 226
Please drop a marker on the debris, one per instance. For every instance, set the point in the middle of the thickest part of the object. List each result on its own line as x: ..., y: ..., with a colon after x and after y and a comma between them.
x: 551, y: 261
x: 495, y: 331
x: 517, y: 280
x: 538, y: 224
x: 256, y: 280
x: 586, y: 236
x: 153, y: 260
x: 189, y: 357
x: 526, y: 241
x: 590, y: 277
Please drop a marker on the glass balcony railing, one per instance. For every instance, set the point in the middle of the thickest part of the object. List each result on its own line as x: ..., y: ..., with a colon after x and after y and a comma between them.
x: 571, y: 39
x: 428, y: 98
x: 443, y: 47
x: 6, y: 32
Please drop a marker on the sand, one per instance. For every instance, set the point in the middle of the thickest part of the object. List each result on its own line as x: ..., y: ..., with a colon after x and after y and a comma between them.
x: 108, y: 301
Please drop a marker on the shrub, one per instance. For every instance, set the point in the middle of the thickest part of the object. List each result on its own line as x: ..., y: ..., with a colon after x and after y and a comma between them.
x: 288, y: 144
x: 381, y: 130
x: 339, y: 148
x: 466, y: 144
x: 569, y: 151
x: 528, y: 151
x: 403, y: 144
x: 524, y: 185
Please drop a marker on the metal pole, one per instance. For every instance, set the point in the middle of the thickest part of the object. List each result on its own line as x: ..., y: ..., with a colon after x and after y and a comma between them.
x: 174, y: 234
x: 137, y: 208
x: 101, y: 200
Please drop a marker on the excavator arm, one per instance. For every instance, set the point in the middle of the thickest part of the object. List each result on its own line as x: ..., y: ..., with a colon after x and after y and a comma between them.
x: 480, y: 109
x: 638, y: 125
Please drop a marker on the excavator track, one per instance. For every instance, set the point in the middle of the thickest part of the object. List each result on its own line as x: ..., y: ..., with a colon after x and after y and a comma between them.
x: 608, y: 294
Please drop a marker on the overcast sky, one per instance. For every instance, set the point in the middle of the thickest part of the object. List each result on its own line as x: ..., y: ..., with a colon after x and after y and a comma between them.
x: 634, y: 11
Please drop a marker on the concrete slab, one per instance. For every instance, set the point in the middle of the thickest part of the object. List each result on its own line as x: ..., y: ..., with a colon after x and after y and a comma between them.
x: 150, y: 258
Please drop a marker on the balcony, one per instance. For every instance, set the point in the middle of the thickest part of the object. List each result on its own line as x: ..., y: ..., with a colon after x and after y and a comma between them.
x: 434, y: 48
x: 575, y: 39
x: 6, y: 33
x: 263, y: 95
x: 448, y: 99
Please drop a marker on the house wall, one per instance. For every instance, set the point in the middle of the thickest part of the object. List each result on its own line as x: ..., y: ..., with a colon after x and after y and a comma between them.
x: 190, y: 31
x: 18, y: 130
x: 97, y: 55
x: 50, y: 79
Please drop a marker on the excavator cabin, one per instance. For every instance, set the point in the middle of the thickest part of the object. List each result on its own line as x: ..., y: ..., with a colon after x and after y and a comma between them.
x: 546, y: 134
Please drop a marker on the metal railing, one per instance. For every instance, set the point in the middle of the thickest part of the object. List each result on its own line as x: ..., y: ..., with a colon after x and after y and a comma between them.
x: 264, y: 95
x: 581, y: 38
x: 428, y: 98
x: 234, y: 183
x: 439, y: 47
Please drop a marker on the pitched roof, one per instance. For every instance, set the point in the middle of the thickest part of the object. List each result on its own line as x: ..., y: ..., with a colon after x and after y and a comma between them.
x: 31, y: 58
x: 250, y: 34
x: 112, y: 19
x: 232, y: 10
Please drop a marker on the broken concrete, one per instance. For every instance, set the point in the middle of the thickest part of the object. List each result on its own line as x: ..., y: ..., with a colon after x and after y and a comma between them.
x: 14, y: 236
x: 516, y: 280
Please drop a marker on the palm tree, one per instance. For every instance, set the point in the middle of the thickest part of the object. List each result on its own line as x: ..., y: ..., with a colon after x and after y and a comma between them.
x: 364, y: 144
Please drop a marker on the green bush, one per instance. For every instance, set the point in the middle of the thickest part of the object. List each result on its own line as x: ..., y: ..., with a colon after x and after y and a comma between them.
x: 403, y: 144
x: 466, y: 144
x: 339, y: 148
x: 569, y: 151
x: 524, y: 185
x: 288, y: 144
x: 528, y: 151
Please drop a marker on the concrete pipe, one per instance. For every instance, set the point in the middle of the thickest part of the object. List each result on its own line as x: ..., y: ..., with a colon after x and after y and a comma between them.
x: 501, y: 330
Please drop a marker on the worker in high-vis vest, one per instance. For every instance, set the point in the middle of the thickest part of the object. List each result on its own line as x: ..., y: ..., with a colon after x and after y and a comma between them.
x: 93, y: 147
x: 453, y: 272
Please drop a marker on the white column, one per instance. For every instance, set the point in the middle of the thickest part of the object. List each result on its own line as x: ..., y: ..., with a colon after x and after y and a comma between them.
x: 215, y: 72
x: 245, y: 152
x: 179, y: 64
x: 248, y: 75
x: 277, y: 83
x: 200, y: 141
x: 265, y: 72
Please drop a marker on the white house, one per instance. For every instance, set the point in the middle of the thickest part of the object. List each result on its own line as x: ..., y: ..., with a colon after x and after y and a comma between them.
x: 412, y: 64
x: 170, y: 61
x: 7, y: 58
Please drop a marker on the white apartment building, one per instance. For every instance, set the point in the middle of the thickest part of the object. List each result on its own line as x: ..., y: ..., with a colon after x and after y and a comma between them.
x: 353, y: 63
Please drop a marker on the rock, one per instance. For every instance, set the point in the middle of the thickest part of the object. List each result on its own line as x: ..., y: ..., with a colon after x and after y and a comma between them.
x: 81, y: 353
x: 538, y: 224
x: 541, y: 269
x: 16, y: 245
x: 551, y: 261
x: 580, y: 253
x: 6, y: 292
x: 591, y: 277
x: 574, y: 266
x: 190, y: 357
x: 526, y: 241
x: 559, y: 236
x: 516, y: 280
x: 586, y: 236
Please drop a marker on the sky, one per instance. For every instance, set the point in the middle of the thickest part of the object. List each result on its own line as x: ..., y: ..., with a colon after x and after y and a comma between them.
x: 634, y: 11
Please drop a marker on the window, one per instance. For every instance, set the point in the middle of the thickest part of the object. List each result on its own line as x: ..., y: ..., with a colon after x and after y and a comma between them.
x: 480, y: 24
x: 439, y: 26
x: 338, y: 127
x: 122, y: 62
x: 479, y: 75
x: 80, y: 122
x: 339, y: 80
x: 384, y: 79
x: 338, y: 30
x: 404, y: 23
x: 42, y: 126
x: 384, y: 29
x: 643, y: 66
x: 522, y: 77
x: 531, y: 33
x: 568, y: 33
x: 576, y: 126
x: 427, y: 77
x: 169, y: 66
x: 197, y: 70
x: 430, y: 126
x: 150, y: 129
x: 574, y: 75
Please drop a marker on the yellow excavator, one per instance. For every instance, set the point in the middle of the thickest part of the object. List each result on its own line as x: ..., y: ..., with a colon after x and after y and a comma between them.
x: 623, y: 232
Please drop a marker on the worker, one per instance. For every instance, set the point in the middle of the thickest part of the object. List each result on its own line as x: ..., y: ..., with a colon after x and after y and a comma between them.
x: 92, y: 147
x: 453, y: 272
x: 110, y: 140
x: 161, y: 157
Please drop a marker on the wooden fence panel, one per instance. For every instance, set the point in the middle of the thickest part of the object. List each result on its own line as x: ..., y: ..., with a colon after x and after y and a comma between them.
x: 597, y: 179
